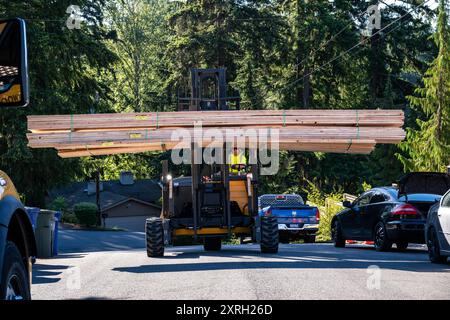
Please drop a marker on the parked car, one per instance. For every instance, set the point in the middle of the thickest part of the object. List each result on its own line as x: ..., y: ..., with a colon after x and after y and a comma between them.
x: 389, y: 215
x: 296, y: 220
x: 437, y: 230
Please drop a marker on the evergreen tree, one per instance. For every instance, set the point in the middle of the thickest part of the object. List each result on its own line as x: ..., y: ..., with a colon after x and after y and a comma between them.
x: 428, y: 146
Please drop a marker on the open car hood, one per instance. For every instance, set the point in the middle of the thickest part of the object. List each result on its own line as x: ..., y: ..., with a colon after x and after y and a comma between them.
x: 424, y: 182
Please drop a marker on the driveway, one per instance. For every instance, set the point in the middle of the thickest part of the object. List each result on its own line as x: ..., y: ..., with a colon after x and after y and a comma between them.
x: 114, y: 265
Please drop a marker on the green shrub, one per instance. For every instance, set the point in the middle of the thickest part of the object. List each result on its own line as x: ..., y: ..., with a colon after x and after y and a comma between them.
x: 59, y: 204
x: 328, y: 204
x: 332, y: 206
x: 67, y: 217
x: 86, y: 213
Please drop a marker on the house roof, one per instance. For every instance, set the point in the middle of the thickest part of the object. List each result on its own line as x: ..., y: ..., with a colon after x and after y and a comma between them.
x: 146, y: 190
x: 129, y: 199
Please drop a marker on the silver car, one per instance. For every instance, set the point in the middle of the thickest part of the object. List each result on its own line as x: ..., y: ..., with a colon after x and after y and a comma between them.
x: 437, y: 230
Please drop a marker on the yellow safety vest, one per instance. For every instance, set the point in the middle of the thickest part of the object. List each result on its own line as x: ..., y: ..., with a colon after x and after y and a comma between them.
x: 237, y: 159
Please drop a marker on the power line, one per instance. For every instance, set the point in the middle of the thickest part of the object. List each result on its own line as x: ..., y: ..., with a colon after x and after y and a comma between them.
x: 331, y: 39
x: 354, y: 47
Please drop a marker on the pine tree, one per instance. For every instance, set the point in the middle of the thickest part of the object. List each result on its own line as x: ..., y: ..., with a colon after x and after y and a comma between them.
x: 428, y: 147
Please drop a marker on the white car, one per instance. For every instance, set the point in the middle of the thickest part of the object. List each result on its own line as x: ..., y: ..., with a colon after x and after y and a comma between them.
x: 437, y: 230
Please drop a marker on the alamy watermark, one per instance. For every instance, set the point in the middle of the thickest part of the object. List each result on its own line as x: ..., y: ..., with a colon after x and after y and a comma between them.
x: 209, y: 145
x: 374, y: 279
x: 73, y: 278
x: 374, y: 22
x: 75, y: 17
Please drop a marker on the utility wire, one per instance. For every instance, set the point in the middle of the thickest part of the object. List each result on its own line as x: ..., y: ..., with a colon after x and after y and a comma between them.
x: 331, y: 39
x: 354, y: 47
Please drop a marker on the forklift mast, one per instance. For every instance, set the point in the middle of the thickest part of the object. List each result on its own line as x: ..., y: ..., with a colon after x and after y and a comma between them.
x: 208, y: 92
x: 211, y: 197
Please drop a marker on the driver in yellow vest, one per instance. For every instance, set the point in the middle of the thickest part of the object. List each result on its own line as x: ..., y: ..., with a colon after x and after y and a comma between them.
x: 237, y: 161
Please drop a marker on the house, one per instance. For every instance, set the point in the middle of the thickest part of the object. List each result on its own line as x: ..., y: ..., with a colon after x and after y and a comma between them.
x: 125, y: 202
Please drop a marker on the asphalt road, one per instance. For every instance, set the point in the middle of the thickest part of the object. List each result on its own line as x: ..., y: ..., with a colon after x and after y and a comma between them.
x: 114, y: 265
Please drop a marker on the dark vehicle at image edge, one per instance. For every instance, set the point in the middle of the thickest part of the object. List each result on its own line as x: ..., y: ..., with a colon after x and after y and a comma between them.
x: 389, y: 215
x: 17, y: 241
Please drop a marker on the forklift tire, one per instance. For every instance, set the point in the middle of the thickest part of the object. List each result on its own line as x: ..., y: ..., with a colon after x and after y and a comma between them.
x: 269, y: 235
x: 212, y: 244
x: 154, y: 235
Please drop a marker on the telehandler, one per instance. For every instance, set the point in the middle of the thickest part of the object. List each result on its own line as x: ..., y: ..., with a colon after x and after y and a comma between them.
x: 214, y: 206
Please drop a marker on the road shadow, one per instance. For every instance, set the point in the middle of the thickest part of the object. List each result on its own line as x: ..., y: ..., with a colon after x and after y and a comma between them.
x: 44, y: 273
x: 291, y: 257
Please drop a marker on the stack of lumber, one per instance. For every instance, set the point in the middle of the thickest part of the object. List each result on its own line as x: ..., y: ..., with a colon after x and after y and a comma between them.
x: 336, y: 131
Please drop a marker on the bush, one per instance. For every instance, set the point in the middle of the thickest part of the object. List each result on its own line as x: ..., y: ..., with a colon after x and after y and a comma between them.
x: 328, y: 204
x: 67, y: 217
x: 332, y: 207
x: 86, y: 213
x: 59, y: 204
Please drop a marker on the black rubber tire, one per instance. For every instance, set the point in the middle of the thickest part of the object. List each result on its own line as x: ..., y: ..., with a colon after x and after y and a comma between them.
x: 14, y: 274
x: 270, y: 236
x: 402, y: 245
x: 310, y: 239
x: 212, y: 244
x: 381, y: 241
x: 434, y: 252
x: 154, y: 236
x: 336, y: 235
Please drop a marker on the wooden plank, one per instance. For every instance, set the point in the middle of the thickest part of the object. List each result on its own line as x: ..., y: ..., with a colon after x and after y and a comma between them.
x: 355, y: 148
x: 158, y: 137
x: 100, y: 122
x: 341, y: 131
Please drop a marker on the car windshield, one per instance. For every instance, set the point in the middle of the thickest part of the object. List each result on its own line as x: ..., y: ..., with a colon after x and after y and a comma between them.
x: 425, y: 197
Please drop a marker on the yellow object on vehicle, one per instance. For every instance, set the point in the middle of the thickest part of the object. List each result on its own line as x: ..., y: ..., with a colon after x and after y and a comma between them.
x: 7, y: 187
x: 237, y: 159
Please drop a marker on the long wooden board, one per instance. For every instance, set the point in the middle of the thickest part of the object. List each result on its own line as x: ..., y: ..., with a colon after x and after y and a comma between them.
x: 274, y: 118
x: 338, y: 131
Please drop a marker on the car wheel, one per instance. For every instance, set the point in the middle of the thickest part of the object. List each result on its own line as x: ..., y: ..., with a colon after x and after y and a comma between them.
x: 15, y: 285
x: 402, y: 245
x: 336, y: 235
x: 381, y: 241
x: 434, y: 252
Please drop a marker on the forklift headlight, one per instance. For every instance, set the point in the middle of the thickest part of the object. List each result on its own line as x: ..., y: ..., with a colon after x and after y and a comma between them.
x: 2, y: 187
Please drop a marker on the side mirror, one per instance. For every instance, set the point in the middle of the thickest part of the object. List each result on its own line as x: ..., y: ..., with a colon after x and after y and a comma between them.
x: 13, y: 64
x: 347, y: 204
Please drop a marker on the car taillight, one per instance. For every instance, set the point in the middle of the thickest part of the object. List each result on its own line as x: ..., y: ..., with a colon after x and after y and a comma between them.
x: 317, y: 214
x: 268, y: 212
x: 405, y: 210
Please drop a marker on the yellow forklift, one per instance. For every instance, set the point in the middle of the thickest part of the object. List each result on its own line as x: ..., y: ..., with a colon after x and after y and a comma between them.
x: 17, y: 242
x: 212, y: 204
